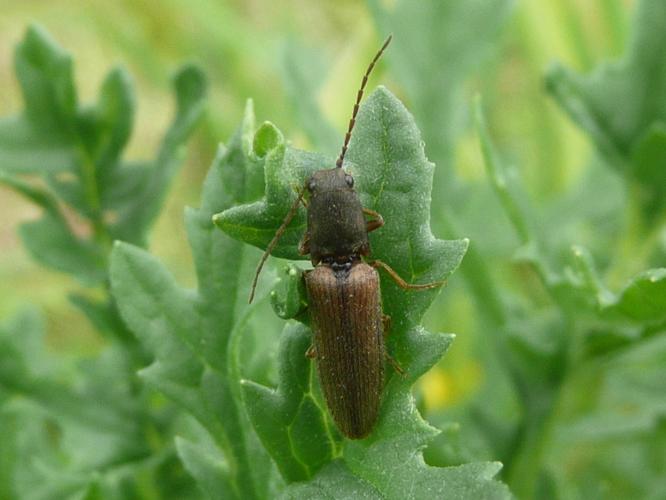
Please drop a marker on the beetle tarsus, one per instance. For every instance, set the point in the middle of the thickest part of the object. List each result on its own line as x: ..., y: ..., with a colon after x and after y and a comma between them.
x: 396, y: 366
x: 375, y: 223
x: 401, y: 282
x: 386, y: 324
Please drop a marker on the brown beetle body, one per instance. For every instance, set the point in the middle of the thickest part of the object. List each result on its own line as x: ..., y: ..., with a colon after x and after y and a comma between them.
x: 344, y: 302
x: 344, y: 297
x: 348, y: 341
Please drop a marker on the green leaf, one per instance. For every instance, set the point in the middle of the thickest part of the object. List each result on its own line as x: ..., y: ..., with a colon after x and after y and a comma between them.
x: 8, y: 452
x: 285, y: 171
x: 334, y: 481
x: 632, y: 88
x: 104, y: 317
x: 66, y: 432
x: 621, y: 104
x: 648, y: 169
x: 39, y: 140
x: 24, y: 150
x: 106, y: 128
x: 45, y: 73
x: 140, y: 212
x: 207, y: 465
x: 289, y: 420
x: 77, y: 150
x: 643, y: 298
x: 393, y: 177
x: 386, y: 158
x: 21, y: 340
x: 496, y: 173
x: 617, y: 434
x: 287, y: 298
x: 581, y: 287
x: 458, y: 483
x: 97, y: 433
x: 122, y: 186
x: 51, y: 242
x: 50, y: 239
x: 193, y: 334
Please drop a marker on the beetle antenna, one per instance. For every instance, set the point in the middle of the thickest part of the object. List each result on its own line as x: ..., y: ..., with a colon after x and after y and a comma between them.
x: 359, y: 96
x: 290, y: 215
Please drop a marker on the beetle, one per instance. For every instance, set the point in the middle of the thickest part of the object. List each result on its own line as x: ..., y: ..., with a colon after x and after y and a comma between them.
x: 344, y: 297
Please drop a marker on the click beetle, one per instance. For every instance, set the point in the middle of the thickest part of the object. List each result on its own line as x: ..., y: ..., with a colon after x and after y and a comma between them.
x: 344, y: 299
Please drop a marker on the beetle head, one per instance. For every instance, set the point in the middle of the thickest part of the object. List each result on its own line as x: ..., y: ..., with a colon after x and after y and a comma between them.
x: 334, y: 179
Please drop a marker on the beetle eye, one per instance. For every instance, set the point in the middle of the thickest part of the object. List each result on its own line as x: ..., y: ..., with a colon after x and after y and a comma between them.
x: 349, y: 180
x: 311, y: 185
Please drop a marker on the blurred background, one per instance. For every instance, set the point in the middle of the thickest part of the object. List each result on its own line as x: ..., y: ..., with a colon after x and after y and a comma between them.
x: 301, y: 62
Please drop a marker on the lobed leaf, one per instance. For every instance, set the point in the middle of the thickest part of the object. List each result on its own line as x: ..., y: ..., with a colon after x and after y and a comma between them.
x: 289, y: 420
x: 140, y: 212
x: 93, y: 421
x: 193, y: 334
x: 78, y: 152
x: 392, y: 176
x: 285, y: 171
x: 51, y: 243
x: 643, y: 298
x: 93, y: 428
x: 45, y: 73
x: 205, y: 463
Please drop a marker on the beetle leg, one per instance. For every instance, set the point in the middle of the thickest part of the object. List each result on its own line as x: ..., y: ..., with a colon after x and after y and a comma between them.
x: 311, y: 352
x: 304, y: 245
x: 386, y: 324
x: 297, y: 190
x: 376, y: 223
x: 402, y: 283
x: 396, y: 366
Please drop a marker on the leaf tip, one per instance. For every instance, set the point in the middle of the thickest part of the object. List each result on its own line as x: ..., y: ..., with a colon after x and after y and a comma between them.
x: 493, y: 469
x: 192, y: 79
x: 119, y: 246
x: 121, y: 251
x: 35, y: 33
x: 218, y: 220
x: 249, y: 107
x: 383, y: 93
x: 144, y: 373
x: 266, y: 138
x: 554, y: 77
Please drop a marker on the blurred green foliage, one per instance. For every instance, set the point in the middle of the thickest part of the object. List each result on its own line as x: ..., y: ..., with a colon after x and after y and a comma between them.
x: 557, y: 370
